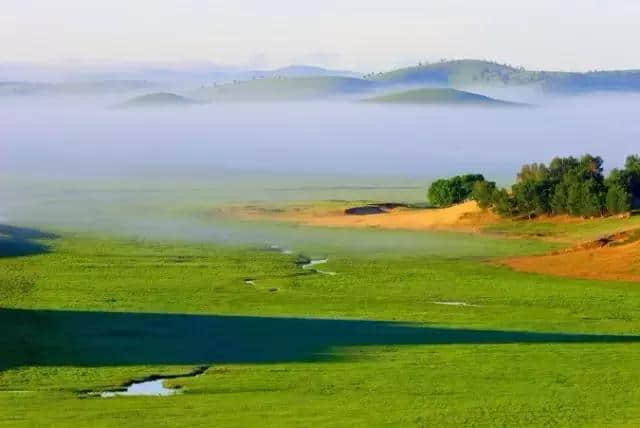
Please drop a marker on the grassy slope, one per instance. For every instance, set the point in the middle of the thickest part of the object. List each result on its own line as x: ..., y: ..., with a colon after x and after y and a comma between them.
x: 572, y: 232
x: 316, y: 372
x: 438, y: 96
x: 469, y: 73
x: 279, y: 89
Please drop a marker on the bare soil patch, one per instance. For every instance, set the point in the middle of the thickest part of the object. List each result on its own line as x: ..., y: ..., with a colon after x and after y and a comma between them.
x: 608, y: 258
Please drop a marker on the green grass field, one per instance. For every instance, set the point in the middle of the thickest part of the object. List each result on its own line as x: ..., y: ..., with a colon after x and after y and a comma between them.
x: 367, y: 347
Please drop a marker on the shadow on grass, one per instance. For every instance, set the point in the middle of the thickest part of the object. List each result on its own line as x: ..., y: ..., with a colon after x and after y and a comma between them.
x: 20, y: 241
x: 43, y: 338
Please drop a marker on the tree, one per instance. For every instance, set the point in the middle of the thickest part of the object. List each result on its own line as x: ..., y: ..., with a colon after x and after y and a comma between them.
x: 632, y: 170
x: 525, y: 195
x: 441, y: 193
x: 534, y: 171
x: 446, y: 192
x: 577, y: 187
x: 504, y: 204
x: 618, y: 199
x: 569, y: 185
x: 592, y: 198
x: 618, y: 177
x: 574, y: 196
x: 532, y: 196
x: 467, y: 182
x: 559, y: 199
x: 483, y: 193
x: 560, y: 167
x: 590, y: 167
x: 632, y: 163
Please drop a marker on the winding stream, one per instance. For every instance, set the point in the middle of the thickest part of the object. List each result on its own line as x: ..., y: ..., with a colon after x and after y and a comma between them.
x: 453, y: 304
x: 310, y: 266
x: 154, y: 385
x: 303, y: 261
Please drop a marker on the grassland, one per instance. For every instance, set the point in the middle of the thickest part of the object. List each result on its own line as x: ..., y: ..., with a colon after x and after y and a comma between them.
x: 567, y: 230
x: 90, y: 312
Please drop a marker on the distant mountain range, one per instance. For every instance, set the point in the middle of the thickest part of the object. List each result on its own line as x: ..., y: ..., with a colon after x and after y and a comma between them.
x: 150, y: 79
x: 75, y: 88
x: 192, y: 75
x: 284, y: 89
x: 300, y: 82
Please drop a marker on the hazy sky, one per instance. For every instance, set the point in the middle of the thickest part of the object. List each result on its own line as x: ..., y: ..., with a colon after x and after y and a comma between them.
x: 358, y: 34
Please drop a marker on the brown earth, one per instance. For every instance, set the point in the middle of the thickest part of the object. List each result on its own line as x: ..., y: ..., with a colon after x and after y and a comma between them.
x: 601, y: 259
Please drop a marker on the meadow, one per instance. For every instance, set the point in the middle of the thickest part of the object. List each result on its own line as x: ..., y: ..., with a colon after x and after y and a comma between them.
x: 384, y: 342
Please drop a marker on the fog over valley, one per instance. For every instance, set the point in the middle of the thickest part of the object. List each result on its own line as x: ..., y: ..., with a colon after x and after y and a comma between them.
x: 78, y: 161
x: 74, y: 137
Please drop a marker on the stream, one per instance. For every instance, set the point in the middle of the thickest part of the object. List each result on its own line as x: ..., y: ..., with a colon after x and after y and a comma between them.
x: 313, y: 262
x: 154, y: 385
x: 151, y: 386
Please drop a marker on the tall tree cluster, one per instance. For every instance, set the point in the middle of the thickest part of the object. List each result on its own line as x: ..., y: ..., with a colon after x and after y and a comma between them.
x: 568, y: 185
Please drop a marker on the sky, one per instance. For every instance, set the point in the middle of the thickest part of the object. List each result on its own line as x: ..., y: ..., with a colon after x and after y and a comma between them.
x: 362, y: 35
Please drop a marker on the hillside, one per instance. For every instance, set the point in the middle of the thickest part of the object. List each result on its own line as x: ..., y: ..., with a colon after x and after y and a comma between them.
x: 159, y: 99
x: 285, y: 89
x: 475, y: 73
x: 611, y: 257
x: 438, y: 96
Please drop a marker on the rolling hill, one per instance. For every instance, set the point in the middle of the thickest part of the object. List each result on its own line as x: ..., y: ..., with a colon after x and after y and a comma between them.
x: 475, y: 73
x: 439, y: 96
x: 286, y: 89
x: 158, y: 99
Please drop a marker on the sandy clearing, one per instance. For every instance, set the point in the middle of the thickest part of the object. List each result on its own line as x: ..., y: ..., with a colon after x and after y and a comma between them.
x: 466, y: 217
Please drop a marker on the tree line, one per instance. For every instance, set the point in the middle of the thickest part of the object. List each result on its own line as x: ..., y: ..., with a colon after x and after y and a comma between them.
x: 568, y: 185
